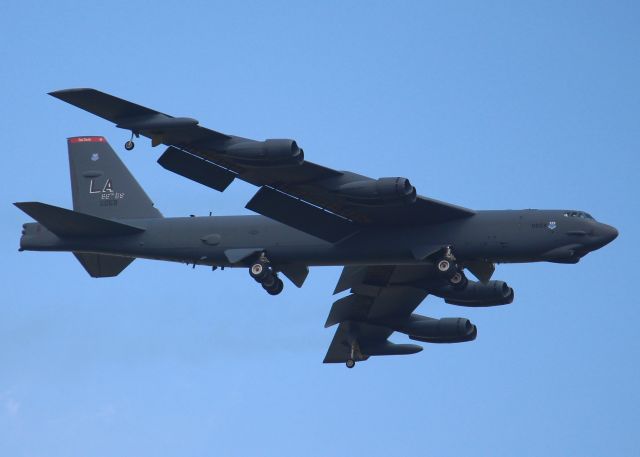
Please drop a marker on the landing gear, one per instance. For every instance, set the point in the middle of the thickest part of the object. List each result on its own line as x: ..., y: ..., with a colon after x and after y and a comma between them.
x: 262, y: 272
x: 447, y: 264
x: 129, y: 145
x: 459, y: 281
x: 351, y: 361
x: 448, y: 269
x: 259, y: 271
x: 275, y: 288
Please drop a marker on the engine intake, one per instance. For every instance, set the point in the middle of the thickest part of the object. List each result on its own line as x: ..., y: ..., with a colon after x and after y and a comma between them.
x: 380, y: 191
x: 269, y: 153
x: 477, y: 294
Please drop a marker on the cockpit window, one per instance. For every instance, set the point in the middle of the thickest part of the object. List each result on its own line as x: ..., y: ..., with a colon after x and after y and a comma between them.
x: 580, y: 214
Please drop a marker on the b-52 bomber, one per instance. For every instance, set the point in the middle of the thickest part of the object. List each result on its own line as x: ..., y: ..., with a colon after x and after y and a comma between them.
x: 396, y: 246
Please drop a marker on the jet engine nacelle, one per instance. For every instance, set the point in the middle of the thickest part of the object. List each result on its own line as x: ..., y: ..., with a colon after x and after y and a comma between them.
x: 268, y: 153
x: 445, y: 330
x: 477, y: 294
x: 379, y: 191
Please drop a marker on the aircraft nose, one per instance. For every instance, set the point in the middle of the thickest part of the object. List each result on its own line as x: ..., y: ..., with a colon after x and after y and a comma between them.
x: 607, y: 234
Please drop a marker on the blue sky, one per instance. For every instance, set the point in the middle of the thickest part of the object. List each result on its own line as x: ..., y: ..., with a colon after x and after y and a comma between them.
x: 484, y: 104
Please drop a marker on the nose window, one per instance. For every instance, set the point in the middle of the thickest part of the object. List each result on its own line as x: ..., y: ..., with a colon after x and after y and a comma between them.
x: 580, y: 214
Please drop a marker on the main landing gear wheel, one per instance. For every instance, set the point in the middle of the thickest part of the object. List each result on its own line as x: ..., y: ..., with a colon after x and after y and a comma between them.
x: 446, y: 268
x: 129, y: 145
x: 275, y: 288
x: 259, y: 271
x: 350, y: 363
x: 263, y: 273
x: 459, y: 281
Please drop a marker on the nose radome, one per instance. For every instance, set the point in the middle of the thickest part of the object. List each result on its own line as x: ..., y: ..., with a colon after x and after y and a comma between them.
x: 609, y: 233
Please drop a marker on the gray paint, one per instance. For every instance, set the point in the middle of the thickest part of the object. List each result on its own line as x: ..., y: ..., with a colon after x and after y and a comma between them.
x: 388, y: 238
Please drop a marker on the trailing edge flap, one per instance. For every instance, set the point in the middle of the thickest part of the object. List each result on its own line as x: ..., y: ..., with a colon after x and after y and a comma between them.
x: 300, y: 215
x: 237, y: 255
x: 196, y: 169
x: 66, y: 223
x: 350, y: 275
x: 365, y: 279
x: 481, y: 269
x: 350, y: 308
x: 103, y: 265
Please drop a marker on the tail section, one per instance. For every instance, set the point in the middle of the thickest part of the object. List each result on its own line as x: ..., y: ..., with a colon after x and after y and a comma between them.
x: 102, y: 185
x: 66, y: 223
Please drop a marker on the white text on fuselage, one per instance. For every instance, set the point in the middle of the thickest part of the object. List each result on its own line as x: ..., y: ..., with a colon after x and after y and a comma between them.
x: 106, y: 192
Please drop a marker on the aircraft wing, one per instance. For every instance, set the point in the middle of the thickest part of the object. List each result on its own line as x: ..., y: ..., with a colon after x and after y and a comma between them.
x: 380, y: 298
x: 326, y: 203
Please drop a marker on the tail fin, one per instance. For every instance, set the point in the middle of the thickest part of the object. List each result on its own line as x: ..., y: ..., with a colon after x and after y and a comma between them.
x: 102, y: 185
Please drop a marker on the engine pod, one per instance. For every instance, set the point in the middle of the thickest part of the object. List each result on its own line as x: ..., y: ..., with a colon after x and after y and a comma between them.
x: 268, y: 153
x: 380, y: 191
x: 477, y: 294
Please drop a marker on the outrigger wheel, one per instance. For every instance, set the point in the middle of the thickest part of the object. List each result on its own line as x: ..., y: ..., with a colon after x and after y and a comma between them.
x: 129, y: 145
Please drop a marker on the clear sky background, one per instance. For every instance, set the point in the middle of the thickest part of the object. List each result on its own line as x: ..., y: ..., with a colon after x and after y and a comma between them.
x: 488, y: 105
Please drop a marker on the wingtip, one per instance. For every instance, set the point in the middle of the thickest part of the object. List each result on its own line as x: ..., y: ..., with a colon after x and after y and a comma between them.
x: 60, y: 92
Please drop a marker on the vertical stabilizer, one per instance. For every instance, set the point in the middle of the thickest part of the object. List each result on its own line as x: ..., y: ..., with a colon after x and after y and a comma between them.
x: 102, y: 185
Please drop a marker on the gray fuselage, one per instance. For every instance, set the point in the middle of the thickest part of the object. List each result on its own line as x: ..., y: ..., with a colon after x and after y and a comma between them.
x: 502, y: 236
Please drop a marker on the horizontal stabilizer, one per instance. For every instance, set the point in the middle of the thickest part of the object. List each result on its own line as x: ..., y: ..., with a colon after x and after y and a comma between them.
x: 66, y: 223
x: 296, y: 213
x: 103, y: 265
x: 196, y: 169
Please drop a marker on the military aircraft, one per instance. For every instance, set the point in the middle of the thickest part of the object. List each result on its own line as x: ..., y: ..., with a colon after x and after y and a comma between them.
x: 396, y: 246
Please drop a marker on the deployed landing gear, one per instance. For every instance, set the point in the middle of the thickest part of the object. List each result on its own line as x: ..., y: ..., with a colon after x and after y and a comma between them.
x: 129, y: 145
x: 351, y: 361
x: 447, y: 264
x: 275, y: 288
x: 459, y: 281
x: 446, y: 267
x: 259, y: 271
x: 449, y: 270
x: 262, y: 272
